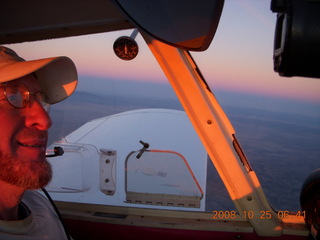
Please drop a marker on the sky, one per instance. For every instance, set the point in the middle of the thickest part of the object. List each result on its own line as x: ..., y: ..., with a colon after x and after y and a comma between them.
x: 240, y: 58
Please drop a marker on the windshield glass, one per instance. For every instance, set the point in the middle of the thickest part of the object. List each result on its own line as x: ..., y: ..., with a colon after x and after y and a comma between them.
x: 277, y: 120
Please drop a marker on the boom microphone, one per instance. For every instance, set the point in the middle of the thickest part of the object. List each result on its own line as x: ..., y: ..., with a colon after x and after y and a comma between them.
x: 57, y: 151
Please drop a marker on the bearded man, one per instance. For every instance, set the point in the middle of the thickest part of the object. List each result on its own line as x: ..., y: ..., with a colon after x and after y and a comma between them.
x: 27, y: 89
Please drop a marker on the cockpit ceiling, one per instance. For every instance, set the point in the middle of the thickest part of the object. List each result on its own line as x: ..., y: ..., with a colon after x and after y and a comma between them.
x: 33, y: 20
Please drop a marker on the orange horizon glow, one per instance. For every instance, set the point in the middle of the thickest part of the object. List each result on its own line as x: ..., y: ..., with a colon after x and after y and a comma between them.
x: 295, y: 88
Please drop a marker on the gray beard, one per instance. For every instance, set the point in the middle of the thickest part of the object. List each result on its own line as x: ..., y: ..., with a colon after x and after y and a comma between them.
x: 30, y: 175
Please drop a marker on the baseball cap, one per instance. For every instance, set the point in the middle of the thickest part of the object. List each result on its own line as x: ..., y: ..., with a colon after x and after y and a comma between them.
x: 57, y: 76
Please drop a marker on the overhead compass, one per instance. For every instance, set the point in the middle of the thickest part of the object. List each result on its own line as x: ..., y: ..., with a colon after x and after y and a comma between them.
x: 125, y: 47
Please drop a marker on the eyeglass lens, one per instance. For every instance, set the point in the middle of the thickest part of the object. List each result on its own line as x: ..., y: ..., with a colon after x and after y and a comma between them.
x: 19, y: 96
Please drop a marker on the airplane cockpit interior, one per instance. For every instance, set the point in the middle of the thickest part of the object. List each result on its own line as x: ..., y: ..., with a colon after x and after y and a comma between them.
x: 183, y: 125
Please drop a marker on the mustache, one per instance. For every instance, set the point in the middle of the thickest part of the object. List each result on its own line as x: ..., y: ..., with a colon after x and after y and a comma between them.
x: 34, y: 134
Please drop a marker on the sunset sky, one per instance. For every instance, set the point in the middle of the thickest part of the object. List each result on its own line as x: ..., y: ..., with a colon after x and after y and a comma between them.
x: 239, y: 59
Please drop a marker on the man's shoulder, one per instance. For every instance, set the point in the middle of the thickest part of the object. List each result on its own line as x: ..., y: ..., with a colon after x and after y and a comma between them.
x: 34, y: 195
x: 34, y: 199
x: 44, y: 216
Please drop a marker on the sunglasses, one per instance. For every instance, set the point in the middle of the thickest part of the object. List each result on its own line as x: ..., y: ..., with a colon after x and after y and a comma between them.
x: 19, y: 96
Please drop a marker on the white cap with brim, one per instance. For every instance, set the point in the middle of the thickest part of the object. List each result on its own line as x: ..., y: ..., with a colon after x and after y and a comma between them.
x: 57, y: 76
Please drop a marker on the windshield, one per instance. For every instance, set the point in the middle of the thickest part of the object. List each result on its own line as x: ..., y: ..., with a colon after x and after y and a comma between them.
x: 277, y: 120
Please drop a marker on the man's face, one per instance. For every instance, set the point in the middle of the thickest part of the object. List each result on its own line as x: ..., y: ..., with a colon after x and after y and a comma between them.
x: 23, y: 140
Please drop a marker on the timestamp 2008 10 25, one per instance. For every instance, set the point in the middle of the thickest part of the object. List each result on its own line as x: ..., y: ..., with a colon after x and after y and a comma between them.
x: 225, y: 215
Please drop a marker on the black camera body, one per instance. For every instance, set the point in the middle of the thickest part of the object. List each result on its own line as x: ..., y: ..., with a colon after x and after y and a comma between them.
x: 297, y: 38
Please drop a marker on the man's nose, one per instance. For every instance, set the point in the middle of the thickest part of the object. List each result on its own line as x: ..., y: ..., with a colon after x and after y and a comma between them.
x: 37, y: 116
